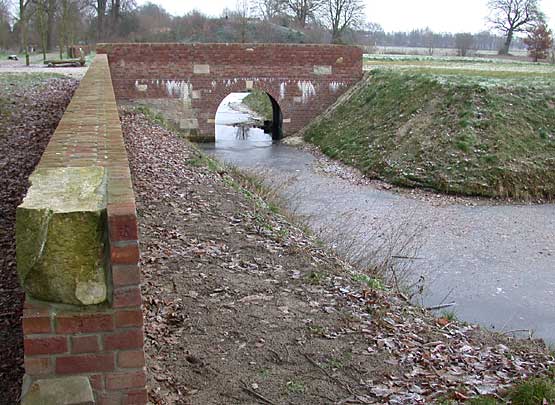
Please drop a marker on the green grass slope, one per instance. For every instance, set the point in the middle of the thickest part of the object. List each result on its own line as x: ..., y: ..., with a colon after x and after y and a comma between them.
x: 259, y: 102
x: 450, y: 133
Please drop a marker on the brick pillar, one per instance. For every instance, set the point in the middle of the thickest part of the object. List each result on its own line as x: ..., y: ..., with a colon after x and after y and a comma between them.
x: 102, y: 342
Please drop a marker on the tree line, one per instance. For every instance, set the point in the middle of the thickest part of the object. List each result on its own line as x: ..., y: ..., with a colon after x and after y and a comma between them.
x: 55, y: 24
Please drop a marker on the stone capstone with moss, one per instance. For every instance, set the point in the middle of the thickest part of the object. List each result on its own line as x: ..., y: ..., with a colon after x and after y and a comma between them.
x: 60, y: 236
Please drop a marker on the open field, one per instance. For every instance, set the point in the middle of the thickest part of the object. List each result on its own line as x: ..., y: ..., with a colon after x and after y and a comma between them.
x: 455, y: 125
x: 408, y: 50
x: 477, y: 69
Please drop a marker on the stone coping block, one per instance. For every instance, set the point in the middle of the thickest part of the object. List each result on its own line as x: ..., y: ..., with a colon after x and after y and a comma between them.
x: 60, y: 235
x: 60, y: 391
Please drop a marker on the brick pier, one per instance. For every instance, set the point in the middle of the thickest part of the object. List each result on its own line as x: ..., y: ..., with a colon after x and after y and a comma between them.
x: 102, y: 342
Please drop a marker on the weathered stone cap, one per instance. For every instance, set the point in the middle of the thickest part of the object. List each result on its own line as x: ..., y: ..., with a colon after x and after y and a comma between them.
x: 60, y: 391
x: 60, y: 235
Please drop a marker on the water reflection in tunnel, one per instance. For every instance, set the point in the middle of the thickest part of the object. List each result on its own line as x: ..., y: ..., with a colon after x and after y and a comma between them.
x: 237, y: 126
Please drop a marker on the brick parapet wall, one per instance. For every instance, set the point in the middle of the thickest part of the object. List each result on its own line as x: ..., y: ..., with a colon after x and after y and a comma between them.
x: 303, y: 79
x: 103, y: 342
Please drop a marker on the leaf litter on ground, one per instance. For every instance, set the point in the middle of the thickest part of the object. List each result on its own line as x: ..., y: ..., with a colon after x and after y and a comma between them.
x: 231, y: 301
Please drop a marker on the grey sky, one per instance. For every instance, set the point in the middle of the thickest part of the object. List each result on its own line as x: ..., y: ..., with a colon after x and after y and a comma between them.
x: 393, y: 15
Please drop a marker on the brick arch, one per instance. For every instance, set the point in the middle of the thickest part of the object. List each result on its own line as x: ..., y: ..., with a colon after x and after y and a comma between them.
x: 187, y: 82
x: 241, y: 86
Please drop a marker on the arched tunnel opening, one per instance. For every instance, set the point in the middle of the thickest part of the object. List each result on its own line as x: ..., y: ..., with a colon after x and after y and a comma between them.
x: 277, y: 119
x: 253, y: 115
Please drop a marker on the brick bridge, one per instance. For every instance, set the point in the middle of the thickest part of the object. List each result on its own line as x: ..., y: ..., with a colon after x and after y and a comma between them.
x: 187, y: 82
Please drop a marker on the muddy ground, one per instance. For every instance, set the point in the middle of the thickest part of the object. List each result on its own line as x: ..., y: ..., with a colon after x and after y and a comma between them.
x: 242, y: 307
x: 30, y: 108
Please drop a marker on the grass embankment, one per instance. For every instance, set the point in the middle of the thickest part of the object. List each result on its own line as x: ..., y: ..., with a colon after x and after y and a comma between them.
x: 259, y: 102
x: 462, y: 131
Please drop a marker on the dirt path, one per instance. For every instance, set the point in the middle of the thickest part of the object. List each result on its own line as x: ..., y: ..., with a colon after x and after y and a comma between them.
x: 243, y: 308
x: 29, y: 112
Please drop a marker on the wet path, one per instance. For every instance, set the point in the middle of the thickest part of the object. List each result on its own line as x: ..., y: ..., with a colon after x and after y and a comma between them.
x: 496, y: 262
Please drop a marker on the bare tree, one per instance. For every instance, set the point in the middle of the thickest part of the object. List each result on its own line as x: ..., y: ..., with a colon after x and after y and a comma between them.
x: 464, y: 42
x: 342, y: 15
x: 302, y: 10
x: 41, y: 12
x: 513, y: 16
x: 5, y: 27
x: 63, y: 25
x: 242, y: 14
x: 268, y: 9
x: 152, y: 19
x: 23, y: 19
x: 51, y: 9
x: 429, y: 40
x: 100, y: 8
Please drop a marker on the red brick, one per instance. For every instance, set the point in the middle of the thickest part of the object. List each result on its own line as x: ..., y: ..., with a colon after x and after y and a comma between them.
x: 129, y: 318
x: 112, y: 398
x: 46, y: 345
x: 84, y: 344
x: 128, y: 339
x: 125, y: 254
x: 84, y: 323
x: 38, y: 365
x: 123, y: 275
x: 86, y: 363
x: 97, y: 382
x: 131, y: 359
x: 122, y: 223
x: 129, y: 297
x: 136, y: 398
x: 136, y: 379
x: 33, y: 325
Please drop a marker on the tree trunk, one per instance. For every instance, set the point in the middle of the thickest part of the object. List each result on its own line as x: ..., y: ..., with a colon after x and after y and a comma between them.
x: 23, y: 25
x: 117, y: 11
x: 51, y: 10
x: 43, y: 28
x: 336, y: 37
x: 101, y: 9
x: 507, y: 44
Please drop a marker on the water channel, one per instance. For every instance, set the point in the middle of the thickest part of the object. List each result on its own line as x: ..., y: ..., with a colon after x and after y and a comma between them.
x: 496, y: 262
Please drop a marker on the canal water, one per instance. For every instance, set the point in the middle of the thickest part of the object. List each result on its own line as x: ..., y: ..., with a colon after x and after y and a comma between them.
x: 496, y: 262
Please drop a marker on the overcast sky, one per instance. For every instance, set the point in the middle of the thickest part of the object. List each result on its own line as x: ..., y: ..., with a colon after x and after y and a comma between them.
x: 392, y: 15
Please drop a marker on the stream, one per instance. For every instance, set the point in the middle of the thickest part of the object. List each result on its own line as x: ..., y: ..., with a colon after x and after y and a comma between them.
x: 496, y: 262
